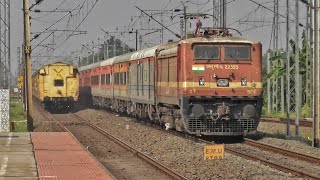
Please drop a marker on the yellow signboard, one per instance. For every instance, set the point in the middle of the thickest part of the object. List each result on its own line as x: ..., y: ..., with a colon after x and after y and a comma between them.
x: 20, y: 81
x: 213, y: 152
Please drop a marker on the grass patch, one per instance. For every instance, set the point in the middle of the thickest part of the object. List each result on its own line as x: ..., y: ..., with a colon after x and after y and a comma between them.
x: 18, y: 115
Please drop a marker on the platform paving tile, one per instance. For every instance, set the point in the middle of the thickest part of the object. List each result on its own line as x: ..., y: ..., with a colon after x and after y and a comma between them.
x: 16, y: 157
x: 65, y: 158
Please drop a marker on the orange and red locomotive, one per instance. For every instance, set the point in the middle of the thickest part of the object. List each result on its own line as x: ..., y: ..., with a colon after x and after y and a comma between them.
x: 208, y: 85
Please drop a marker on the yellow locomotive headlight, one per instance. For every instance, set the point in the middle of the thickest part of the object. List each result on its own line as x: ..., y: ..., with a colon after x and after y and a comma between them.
x: 223, y: 82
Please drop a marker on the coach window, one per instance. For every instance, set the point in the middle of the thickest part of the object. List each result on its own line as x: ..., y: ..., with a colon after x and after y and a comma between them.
x: 238, y: 53
x: 124, y: 78
x: 206, y: 52
x: 108, y: 79
x: 58, y: 82
x: 103, y: 79
x: 95, y: 80
x: 120, y: 78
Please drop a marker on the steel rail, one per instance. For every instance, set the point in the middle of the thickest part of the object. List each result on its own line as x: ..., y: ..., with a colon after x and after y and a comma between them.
x: 303, y: 123
x: 250, y: 157
x: 272, y: 164
x: 268, y: 163
x: 268, y: 147
x: 141, y: 155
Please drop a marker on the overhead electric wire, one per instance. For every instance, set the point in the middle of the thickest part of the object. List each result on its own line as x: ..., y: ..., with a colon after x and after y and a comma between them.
x: 283, y: 16
x: 52, y: 11
x: 55, y: 22
x: 199, y: 4
x: 96, y: 1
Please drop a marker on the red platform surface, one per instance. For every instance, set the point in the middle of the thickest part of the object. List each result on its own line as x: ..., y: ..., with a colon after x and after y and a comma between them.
x: 59, y: 156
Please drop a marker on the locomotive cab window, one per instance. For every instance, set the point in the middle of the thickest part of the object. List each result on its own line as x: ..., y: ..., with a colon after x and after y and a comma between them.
x: 206, y: 52
x: 58, y: 82
x: 237, y: 53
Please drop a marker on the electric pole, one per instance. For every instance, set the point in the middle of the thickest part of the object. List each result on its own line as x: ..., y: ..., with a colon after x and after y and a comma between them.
x: 268, y: 82
x: 297, y: 73
x: 316, y: 75
x: 5, y: 69
x: 223, y: 14
x: 185, y: 21
x: 288, y: 94
x: 27, y: 50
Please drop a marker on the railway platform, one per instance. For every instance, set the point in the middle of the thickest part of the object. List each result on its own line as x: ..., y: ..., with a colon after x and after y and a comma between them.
x: 47, y: 155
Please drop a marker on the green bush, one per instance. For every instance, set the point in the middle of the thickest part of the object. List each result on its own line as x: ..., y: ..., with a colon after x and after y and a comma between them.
x: 306, y: 111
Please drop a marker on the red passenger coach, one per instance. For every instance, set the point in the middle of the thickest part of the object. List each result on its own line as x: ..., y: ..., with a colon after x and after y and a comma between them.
x: 209, y: 85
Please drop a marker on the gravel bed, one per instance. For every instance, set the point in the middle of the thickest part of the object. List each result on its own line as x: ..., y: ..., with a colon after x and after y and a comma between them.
x: 121, y: 163
x: 306, y: 167
x: 41, y: 124
x: 184, y: 156
x: 271, y: 133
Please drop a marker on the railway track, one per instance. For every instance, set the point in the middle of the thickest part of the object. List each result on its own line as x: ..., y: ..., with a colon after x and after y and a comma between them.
x: 268, y: 147
x: 171, y: 173
x: 167, y: 171
x: 265, y: 147
x: 284, y: 168
x: 303, y: 123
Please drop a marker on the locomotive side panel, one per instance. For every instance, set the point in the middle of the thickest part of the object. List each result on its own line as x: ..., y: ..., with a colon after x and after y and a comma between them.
x: 167, y: 76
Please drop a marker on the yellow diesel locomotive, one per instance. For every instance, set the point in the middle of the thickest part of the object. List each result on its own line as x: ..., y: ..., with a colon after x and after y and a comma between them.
x: 56, y: 86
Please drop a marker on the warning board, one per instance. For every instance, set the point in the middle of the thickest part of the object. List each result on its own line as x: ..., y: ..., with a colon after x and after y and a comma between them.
x: 213, y: 152
x: 20, y: 81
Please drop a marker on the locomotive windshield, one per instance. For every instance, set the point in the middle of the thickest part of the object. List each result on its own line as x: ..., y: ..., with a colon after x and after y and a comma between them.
x: 206, y: 52
x: 237, y: 53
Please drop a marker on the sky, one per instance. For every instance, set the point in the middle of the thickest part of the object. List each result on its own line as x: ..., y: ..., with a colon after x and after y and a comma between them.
x: 252, y: 20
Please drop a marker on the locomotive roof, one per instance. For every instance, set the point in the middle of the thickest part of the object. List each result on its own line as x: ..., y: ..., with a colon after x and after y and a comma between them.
x: 218, y: 39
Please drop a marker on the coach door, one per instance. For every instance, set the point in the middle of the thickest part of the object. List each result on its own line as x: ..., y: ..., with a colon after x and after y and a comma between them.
x: 140, y: 90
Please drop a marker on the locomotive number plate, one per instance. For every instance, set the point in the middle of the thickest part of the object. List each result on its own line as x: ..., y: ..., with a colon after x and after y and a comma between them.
x: 213, y: 152
x: 220, y: 66
x: 227, y: 66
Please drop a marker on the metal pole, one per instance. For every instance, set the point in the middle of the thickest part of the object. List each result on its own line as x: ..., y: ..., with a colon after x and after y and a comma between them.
x: 140, y: 41
x: 224, y: 13
x: 9, y: 56
x: 107, y: 50
x: 316, y: 92
x: 312, y: 58
x: 114, y: 47
x: 28, y: 63
x: 288, y: 72
x: 308, y: 57
x: 297, y: 73
x: 268, y: 82
x: 185, y: 21
x: 137, y: 40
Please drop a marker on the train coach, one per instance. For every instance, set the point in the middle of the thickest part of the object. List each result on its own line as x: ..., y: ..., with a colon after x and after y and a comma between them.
x: 56, y: 86
x: 209, y: 85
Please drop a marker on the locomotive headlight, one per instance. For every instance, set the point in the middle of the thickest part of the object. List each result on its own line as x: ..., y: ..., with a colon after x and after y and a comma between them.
x: 201, y: 81
x: 243, y: 81
x: 223, y: 82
